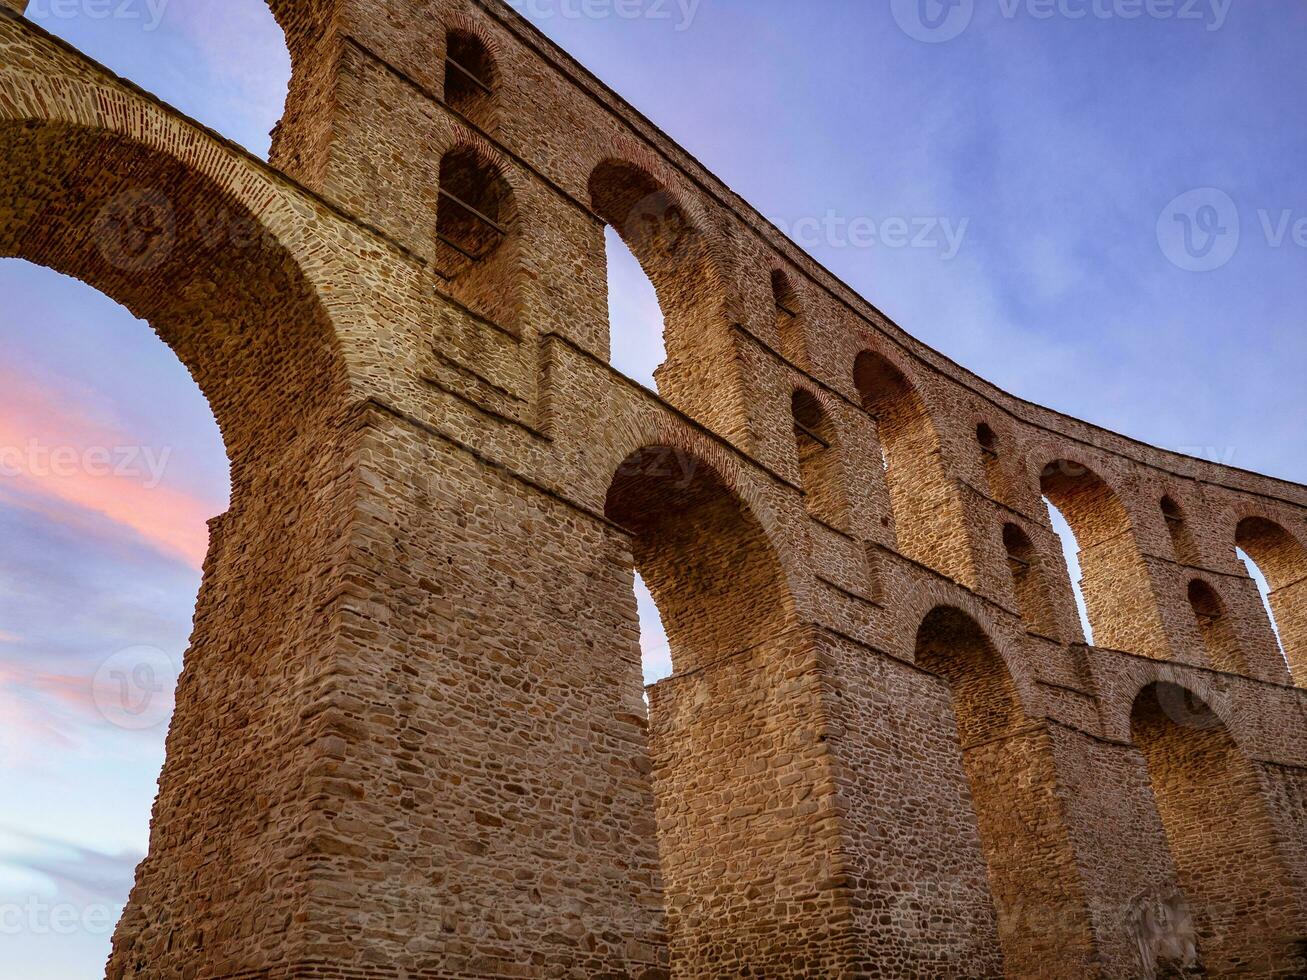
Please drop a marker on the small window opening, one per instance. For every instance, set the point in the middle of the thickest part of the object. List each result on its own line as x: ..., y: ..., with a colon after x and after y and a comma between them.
x: 472, y: 200
x: 469, y: 78
x: 1186, y: 552
x: 1217, y: 631
x: 789, y: 320
x: 819, y: 464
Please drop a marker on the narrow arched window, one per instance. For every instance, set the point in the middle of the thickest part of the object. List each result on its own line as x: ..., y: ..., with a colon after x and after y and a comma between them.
x: 469, y: 78
x: 820, y: 469
x: 1215, y: 627
x: 1182, y: 538
x: 987, y: 440
x: 473, y: 225
x: 1028, y: 582
x: 789, y: 320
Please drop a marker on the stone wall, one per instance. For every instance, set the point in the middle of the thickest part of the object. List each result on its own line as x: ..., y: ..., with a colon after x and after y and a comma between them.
x: 411, y: 738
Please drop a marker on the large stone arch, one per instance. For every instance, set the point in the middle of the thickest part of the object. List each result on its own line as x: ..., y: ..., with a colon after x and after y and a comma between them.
x: 1117, y: 585
x: 673, y: 243
x: 1043, y: 913
x: 99, y: 184
x: 190, y: 258
x: 1245, y: 920
x: 929, y: 520
x: 705, y: 557
x: 730, y: 726
x: 1282, y: 558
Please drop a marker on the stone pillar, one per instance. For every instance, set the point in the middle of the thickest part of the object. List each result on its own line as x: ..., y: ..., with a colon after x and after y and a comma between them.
x: 17, y: 6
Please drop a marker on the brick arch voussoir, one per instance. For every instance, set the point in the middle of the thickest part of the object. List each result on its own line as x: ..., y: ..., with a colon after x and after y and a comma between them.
x: 759, y: 498
x: 1242, y: 508
x: 717, y: 257
x: 208, y: 193
x: 520, y: 187
x: 831, y: 407
x: 1121, y: 688
x: 917, y: 378
x: 460, y: 21
x: 43, y: 99
x: 932, y: 596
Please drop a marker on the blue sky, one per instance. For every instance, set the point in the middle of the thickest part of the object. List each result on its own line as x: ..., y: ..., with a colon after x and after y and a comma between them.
x: 1035, y: 158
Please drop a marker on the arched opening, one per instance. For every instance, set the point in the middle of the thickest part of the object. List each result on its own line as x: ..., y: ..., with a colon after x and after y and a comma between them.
x: 705, y: 559
x: 110, y: 466
x: 671, y: 252
x: 789, y: 320
x: 991, y: 461
x: 1217, y: 630
x: 470, y: 78
x: 1182, y: 536
x: 820, y: 468
x: 927, y: 512
x: 720, y: 723
x: 474, y: 219
x: 1117, y: 589
x: 1028, y: 581
x: 635, y: 320
x: 1071, y: 560
x: 1281, y: 561
x: 1010, y: 767
x: 180, y: 252
x: 1220, y: 836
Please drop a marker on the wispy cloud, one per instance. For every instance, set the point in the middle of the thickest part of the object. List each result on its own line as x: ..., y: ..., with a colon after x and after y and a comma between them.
x: 51, y: 450
x: 77, y: 873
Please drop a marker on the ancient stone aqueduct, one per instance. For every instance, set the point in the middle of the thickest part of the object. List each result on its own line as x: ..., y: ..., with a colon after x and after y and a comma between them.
x: 411, y: 739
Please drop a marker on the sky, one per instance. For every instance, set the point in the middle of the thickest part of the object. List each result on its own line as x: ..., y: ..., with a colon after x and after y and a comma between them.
x: 1099, y: 205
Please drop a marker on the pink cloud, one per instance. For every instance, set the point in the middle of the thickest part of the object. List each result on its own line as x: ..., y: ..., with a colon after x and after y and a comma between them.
x: 54, y: 450
x: 30, y: 727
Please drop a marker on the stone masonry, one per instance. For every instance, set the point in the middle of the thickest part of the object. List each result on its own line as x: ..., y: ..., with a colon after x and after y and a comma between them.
x: 411, y: 738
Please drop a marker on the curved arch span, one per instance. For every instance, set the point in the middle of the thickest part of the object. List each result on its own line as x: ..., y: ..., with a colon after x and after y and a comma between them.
x: 704, y: 556
x: 1117, y: 587
x: 1042, y: 911
x: 225, y: 294
x: 1220, y: 835
x: 928, y: 514
x: 1282, y: 559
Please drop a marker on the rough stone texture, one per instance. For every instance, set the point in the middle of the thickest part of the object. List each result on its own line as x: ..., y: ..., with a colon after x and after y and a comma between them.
x: 411, y: 739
